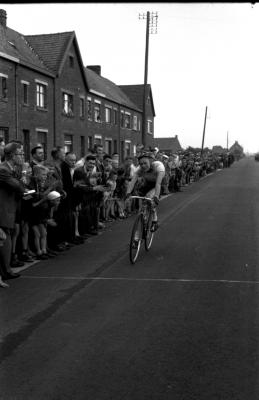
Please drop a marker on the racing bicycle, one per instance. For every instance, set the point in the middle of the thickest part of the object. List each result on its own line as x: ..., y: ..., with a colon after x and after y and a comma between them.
x: 141, y: 231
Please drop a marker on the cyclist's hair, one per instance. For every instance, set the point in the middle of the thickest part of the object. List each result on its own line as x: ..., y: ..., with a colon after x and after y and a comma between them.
x: 146, y: 154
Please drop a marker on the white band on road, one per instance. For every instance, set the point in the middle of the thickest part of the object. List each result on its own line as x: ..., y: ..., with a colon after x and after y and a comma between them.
x: 170, y: 280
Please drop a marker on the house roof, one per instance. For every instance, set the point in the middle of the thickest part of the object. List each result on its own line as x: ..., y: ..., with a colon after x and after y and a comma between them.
x: 54, y: 48
x: 236, y: 146
x: 135, y: 93
x: 168, y: 143
x: 51, y: 47
x: 218, y: 149
x: 15, y: 46
x: 106, y: 88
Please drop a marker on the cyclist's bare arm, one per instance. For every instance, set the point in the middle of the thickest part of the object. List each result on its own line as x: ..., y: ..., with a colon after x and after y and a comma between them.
x: 159, y: 179
x: 132, y: 183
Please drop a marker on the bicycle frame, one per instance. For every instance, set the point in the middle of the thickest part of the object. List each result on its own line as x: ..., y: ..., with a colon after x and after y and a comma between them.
x: 145, y: 207
x: 141, y: 229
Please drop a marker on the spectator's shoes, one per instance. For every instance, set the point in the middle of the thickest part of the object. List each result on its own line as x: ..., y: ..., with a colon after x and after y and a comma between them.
x: 3, y: 284
x: 50, y: 254
x: 154, y: 226
x: 25, y: 257
x: 58, y: 249
x: 11, y: 275
x: 42, y: 257
x: 15, y: 263
x: 94, y: 232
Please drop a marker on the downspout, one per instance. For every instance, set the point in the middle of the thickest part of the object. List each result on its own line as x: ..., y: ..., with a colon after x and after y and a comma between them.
x: 119, y: 134
x: 54, y: 113
x: 16, y: 103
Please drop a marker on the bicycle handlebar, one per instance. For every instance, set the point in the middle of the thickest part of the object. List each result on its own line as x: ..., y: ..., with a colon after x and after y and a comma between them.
x: 142, y: 198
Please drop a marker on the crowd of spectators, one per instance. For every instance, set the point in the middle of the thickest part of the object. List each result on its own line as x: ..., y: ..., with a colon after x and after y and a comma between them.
x: 50, y: 204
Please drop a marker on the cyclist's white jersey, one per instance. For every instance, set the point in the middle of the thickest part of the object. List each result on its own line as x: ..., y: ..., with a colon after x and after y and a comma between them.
x: 158, y: 172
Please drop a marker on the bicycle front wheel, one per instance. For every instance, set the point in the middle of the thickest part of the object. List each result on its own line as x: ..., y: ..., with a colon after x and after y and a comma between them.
x: 136, y: 238
x: 149, y: 234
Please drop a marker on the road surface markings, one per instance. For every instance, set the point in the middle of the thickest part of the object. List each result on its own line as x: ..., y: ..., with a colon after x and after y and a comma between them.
x: 170, y: 280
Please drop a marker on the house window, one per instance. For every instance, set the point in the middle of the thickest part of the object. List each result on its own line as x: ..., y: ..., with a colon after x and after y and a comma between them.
x: 41, y: 91
x: 97, y: 112
x: 108, y: 146
x: 3, y: 88
x: 71, y: 61
x: 115, y: 117
x: 122, y: 119
x: 89, y: 109
x: 115, y: 146
x: 4, y: 133
x: 90, y: 142
x: 25, y: 93
x: 149, y: 126
x: 82, y: 146
x: 127, y: 121
x: 107, y: 115
x: 122, y: 151
x: 26, y: 144
x: 68, y: 143
x: 68, y: 104
x: 82, y: 107
x: 98, y: 139
x: 127, y: 148
x: 42, y: 139
x: 135, y: 123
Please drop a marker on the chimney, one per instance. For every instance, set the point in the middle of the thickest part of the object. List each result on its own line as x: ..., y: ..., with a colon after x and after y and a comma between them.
x: 3, y: 18
x: 176, y: 136
x: 95, y: 68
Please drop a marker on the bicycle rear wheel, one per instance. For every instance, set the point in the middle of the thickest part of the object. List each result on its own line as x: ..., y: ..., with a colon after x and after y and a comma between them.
x: 149, y: 234
x: 136, y: 238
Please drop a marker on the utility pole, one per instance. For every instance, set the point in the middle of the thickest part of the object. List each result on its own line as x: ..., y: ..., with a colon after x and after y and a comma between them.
x: 151, y: 27
x: 227, y: 140
x: 204, y: 128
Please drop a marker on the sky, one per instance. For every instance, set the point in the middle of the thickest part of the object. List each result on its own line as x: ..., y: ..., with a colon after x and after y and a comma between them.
x: 203, y: 55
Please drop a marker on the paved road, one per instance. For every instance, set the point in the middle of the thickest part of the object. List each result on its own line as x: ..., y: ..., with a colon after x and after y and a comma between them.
x: 180, y: 324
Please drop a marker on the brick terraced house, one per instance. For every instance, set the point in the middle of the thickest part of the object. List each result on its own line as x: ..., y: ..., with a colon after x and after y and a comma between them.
x: 48, y: 96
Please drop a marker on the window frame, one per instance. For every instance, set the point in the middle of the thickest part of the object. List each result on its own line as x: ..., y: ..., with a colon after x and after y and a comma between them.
x: 122, y: 118
x: 89, y: 109
x: 127, y: 120
x: 97, y: 107
x: 135, y: 123
x: 150, y: 126
x: 82, y: 107
x: 25, y: 101
x: 127, y: 150
x: 4, y: 87
x: 108, y: 114
x: 108, y: 140
x: 115, y: 116
x: 67, y: 104
x: 70, y: 140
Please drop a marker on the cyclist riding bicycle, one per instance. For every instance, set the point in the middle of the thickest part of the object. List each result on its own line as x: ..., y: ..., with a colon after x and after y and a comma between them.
x: 147, y: 179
